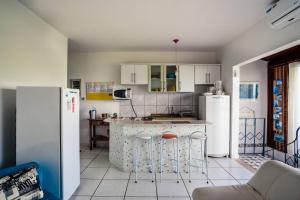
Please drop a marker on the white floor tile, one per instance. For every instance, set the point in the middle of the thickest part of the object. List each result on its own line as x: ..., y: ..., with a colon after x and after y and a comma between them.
x: 80, y: 198
x: 173, y: 198
x: 212, y: 163
x: 114, y: 173
x: 243, y: 181
x: 102, y: 158
x: 88, y: 155
x: 218, y: 173
x: 224, y: 182
x: 87, y: 150
x: 171, y: 188
x: 87, y: 187
x: 140, y: 198
x: 143, y: 176
x: 239, y: 173
x: 112, y: 188
x: 104, y: 153
x: 84, y: 162
x: 196, y: 184
x: 141, y: 188
x: 82, y: 168
x: 107, y: 198
x: 228, y: 162
x: 99, y: 163
x: 167, y: 176
x: 93, y: 173
x: 94, y: 164
x: 194, y: 175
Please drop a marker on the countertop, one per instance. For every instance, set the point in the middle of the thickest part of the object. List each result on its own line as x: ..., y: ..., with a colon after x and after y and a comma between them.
x: 157, y: 122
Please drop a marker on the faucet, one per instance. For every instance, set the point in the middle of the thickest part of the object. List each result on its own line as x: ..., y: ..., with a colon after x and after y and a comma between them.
x: 172, y: 111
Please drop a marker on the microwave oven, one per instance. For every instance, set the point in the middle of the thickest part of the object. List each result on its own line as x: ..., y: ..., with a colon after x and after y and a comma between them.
x: 122, y: 94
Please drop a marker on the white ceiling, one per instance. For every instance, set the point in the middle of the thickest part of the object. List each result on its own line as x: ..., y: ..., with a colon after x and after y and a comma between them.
x: 141, y: 25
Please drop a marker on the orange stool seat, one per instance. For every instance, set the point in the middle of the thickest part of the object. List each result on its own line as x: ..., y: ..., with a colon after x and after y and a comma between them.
x: 168, y: 136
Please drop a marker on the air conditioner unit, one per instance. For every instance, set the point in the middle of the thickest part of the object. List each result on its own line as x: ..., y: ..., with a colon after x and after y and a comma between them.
x: 283, y: 13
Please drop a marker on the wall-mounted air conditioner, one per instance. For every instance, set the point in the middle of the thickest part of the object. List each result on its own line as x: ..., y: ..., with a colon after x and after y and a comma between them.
x: 283, y: 13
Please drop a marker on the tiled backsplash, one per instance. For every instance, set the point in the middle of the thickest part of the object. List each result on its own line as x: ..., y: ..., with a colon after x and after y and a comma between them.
x: 146, y: 103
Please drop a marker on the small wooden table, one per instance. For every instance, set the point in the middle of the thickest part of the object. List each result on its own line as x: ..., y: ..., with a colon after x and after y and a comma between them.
x: 93, y: 123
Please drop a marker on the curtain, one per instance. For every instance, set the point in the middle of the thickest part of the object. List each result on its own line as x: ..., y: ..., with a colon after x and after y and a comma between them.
x: 294, y: 102
x: 277, y: 134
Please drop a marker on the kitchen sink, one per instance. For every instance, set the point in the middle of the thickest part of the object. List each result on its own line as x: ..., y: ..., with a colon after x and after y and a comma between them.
x: 180, y: 122
x: 164, y: 116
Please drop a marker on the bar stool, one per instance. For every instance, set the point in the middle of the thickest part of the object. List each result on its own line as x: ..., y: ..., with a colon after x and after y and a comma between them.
x: 141, y: 137
x: 165, y: 137
x: 198, y: 136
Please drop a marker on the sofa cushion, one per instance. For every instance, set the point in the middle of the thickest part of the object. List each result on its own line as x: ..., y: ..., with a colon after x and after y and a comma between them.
x: 275, y: 181
x: 286, y: 186
x: 236, y: 192
x: 21, y: 184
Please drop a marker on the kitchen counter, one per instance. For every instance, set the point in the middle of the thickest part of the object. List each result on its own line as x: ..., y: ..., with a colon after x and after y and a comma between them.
x: 185, y: 121
x: 122, y: 141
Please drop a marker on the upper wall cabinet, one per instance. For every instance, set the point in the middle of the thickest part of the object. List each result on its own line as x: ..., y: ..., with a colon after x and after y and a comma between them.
x: 186, y: 78
x: 207, y: 74
x: 170, y: 78
x: 134, y: 74
x: 156, y: 77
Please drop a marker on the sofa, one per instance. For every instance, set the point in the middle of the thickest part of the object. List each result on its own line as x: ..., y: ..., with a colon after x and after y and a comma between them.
x: 25, y: 180
x: 274, y: 180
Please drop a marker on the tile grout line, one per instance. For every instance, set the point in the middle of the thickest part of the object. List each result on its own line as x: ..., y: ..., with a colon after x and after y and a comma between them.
x: 229, y: 173
x: 98, y: 179
x: 185, y: 186
x: 155, y: 185
x: 127, y: 186
x: 89, y: 162
x: 85, y: 169
x: 100, y: 182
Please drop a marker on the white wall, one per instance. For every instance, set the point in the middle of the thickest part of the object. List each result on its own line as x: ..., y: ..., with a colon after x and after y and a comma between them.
x: 256, y: 72
x: 31, y: 53
x: 105, y: 66
x: 258, y: 40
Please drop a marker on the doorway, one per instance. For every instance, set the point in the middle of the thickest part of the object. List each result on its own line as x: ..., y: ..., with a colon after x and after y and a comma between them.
x: 245, y: 125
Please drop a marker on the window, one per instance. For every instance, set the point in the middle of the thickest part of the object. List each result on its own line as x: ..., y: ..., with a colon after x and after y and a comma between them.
x: 249, y: 90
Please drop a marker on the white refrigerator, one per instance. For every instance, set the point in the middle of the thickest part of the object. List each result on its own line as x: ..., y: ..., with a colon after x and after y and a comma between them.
x: 48, y: 133
x: 216, y: 109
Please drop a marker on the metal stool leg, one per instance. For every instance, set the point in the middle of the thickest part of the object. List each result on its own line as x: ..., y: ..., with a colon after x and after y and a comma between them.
x: 206, y: 159
x: 160, y: 168
x: 149, y: 156
x: 177, y: 161
x: 188, y: 157
x: 136, y: 159
x: 190, y: 144
x: 202, y: 156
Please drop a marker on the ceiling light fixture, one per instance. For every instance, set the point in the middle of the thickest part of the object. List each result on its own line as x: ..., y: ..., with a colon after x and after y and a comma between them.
x: 176, y: 40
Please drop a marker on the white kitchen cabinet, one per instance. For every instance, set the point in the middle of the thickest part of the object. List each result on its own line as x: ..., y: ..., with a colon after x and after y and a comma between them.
x: 134, y: 74
x: 207, y: 74
x: 141, y: 74
x: 127, y: 74
x: 200, y: 74
x: 186, y: 78
x: 214, y: 73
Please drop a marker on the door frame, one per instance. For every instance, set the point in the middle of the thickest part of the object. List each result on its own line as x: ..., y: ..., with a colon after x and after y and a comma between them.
x: 235, y: 102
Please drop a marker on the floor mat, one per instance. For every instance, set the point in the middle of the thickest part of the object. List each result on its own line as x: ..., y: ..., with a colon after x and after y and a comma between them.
x: 254, y: 161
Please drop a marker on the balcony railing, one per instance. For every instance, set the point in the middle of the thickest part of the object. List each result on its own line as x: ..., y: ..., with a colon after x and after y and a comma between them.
x: 252, y: 140
x: 252, y: 136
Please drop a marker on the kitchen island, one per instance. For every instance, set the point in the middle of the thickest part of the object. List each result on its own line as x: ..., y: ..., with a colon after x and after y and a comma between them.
x: 122, y: 142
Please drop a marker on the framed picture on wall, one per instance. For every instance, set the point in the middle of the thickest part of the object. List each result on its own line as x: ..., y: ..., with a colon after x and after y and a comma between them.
x: 249, y: 91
